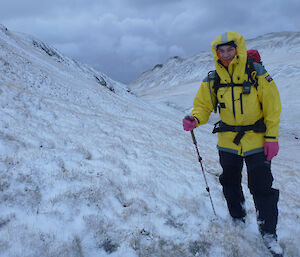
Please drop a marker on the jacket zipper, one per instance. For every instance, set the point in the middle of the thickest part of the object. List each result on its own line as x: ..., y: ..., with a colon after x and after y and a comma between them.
x: 232, y: 96
x: 232, y: 93
x: 241, y: 100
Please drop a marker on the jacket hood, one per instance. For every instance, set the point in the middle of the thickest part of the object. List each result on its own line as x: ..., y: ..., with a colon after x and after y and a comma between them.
x: 237, y: 67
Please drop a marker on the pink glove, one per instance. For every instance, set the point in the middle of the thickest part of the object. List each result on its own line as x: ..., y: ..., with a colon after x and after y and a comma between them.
x: 271, y: 149
x: 189, y: 123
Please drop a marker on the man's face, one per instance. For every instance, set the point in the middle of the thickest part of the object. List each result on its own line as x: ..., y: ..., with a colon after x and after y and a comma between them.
x: 226, y: 52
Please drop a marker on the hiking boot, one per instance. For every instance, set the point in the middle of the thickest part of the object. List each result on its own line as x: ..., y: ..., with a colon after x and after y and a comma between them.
x: 270, y: 241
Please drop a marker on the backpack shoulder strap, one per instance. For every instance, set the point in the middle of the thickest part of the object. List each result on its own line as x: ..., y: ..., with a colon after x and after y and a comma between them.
x: 254, y: 69
x: 251, y: 71
x: 216, y: 82
x: 250, y: 66
x: 211, y: 76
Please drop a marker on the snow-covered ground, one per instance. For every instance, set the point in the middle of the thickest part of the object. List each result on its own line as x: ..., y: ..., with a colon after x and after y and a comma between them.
x: 88, y: 169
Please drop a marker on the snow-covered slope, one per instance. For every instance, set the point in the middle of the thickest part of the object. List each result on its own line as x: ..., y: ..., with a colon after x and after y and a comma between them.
x: 184, y: 74
x: 88, y: 169
x: 26, y: 59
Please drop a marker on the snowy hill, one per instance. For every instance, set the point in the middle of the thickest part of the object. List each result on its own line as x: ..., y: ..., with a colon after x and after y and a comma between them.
x: 88, y: 169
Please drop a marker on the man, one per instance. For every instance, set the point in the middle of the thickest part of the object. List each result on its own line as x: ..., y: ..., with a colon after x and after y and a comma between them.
x: 249, y: 107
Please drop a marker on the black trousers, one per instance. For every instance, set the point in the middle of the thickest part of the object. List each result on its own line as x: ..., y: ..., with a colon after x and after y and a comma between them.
x: 260, y: 181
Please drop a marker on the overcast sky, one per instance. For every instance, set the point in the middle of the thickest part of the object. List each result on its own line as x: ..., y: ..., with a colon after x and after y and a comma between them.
x: 124, y: 38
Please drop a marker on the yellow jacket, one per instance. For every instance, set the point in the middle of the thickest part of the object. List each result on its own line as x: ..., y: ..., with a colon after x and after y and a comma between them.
x: 239, y: 109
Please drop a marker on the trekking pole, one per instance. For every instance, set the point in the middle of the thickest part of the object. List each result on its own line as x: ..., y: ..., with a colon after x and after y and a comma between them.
x: 200, y: 160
